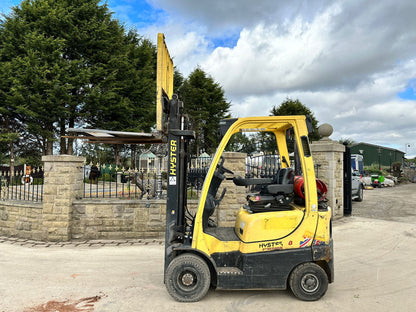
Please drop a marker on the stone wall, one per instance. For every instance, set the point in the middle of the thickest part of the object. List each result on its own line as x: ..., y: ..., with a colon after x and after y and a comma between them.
x: 21, y: 219
x: 64, y: 215
x: 235, y: 196
x: 119, y: 219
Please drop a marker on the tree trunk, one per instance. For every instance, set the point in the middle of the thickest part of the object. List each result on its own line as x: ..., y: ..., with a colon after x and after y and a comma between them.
x: 70, y: 148
x: 117, y: 155
x: 63, y: 149
x: 11, y: 162
x: 133, y: 156
x: 49, y: 147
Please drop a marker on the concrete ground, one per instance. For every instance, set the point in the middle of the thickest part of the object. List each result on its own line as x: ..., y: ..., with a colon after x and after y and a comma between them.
x: 375, y: 268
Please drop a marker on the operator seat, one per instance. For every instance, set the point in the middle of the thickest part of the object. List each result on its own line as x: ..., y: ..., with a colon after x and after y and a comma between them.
x: 275, y: 194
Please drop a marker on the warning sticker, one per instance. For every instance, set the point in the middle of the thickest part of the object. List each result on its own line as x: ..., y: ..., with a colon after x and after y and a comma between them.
x: 172, y: 180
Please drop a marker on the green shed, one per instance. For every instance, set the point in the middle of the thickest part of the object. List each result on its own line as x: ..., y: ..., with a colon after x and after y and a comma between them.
x: 376, y: 154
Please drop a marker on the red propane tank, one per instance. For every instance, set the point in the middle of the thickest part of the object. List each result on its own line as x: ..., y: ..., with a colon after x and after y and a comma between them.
x: 300, y: 191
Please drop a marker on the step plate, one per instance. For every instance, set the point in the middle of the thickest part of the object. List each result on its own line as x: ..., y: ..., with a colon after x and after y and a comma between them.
x: 229, y: 271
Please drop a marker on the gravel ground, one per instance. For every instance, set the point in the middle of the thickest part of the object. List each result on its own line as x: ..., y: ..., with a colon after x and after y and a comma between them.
x: 374, y: 270
x: 396, y: 203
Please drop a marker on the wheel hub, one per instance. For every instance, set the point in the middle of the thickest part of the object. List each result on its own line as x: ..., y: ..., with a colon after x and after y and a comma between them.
x: 187, y: 279
x: 310, y: 283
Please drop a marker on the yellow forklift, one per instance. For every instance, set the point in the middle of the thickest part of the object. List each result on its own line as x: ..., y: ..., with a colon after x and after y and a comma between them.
x: 282, y: 234
x: 281, y: 237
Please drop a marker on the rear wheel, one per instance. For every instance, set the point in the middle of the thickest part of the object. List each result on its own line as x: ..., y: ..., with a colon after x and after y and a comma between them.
x: 360, y: 194
x: 187, y: 278
x: 308, y: 281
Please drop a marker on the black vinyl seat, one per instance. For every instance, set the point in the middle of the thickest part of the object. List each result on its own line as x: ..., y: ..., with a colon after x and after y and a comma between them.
x: 274, y: 194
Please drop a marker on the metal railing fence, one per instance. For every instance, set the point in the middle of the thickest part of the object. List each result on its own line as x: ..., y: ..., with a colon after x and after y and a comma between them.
x: 262, y: 166
x: 21, y: 184
x: 109, y: 181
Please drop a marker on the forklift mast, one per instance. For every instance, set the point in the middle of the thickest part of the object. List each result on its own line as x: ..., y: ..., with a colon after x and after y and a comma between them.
x: 178, y: 142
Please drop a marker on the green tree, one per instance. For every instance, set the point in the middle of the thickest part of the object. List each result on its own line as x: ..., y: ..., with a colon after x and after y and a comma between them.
x: 205, y: 103
x: 349, y: 141
x: 177, y: 80
x: 68, y: 62
x: 295, y: 107
x: 123, y: 98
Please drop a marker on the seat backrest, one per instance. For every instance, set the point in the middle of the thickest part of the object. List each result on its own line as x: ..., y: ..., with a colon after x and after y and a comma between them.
x: 282, y: 183
x: 284, y: 176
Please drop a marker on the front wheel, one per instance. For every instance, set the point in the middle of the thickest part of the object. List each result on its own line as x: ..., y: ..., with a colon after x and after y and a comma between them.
x: 308, y: 281
x: 188, y: 278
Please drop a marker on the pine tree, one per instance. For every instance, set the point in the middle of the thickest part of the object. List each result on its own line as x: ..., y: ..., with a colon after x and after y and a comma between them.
x: 205, y: 103
x: 67, y: 63
x: 295, y: 107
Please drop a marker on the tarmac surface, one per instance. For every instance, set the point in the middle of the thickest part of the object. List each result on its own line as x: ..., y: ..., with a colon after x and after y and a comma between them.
x: 375, y: 269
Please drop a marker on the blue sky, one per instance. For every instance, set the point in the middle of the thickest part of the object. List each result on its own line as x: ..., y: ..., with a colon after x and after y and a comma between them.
x: 410, y: 92
x: 351, y: 62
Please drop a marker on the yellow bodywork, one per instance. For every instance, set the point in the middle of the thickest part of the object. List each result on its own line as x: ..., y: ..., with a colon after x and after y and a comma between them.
x: 274, y: 230
x: 164, y: 78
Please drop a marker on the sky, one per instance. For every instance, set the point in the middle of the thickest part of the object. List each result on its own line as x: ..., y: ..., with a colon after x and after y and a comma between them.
x: 352, y: 63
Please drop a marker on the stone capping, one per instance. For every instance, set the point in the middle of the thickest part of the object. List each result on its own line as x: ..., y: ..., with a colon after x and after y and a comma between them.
x: 112, y: 201
x: 327, y: 146
x: 62, y: 158
x: 21, y: 204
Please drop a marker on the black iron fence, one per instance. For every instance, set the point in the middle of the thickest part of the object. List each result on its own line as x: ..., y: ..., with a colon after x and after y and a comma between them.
x: 262, y: 166
x: 108, y: 181
x: 197, y: 170
x: 21, y: 183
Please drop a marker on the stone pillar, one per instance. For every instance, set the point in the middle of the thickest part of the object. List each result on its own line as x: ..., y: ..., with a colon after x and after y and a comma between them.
x: 328, y: 160
x: 235, y: 195
x: 62, y: 185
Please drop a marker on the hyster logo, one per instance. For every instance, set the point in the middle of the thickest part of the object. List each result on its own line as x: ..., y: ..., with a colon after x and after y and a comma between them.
x: 271, y: 245
x: 172, y: 156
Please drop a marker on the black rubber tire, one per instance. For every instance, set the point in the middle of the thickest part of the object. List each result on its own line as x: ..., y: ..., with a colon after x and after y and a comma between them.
x: 188, y: 278
x: 308, y: 281
x: 360, y: 194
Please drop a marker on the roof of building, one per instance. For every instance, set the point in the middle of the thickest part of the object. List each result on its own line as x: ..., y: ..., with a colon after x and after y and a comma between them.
x: 380, y: 146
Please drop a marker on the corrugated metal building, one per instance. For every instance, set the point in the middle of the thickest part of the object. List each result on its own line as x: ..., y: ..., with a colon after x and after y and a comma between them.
x: 375, y: 154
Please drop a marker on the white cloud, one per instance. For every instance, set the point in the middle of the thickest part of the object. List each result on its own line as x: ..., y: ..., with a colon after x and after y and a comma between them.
x: 345, y: 60
x: 186, y: 47
x: 220, y: 16
x: 303, y: 55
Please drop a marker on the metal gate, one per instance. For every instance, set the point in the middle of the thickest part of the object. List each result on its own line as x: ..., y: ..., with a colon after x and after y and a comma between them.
x: 347, y: 181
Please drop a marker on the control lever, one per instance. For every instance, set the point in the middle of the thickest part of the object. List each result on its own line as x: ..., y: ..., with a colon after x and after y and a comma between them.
x: 217, y: 201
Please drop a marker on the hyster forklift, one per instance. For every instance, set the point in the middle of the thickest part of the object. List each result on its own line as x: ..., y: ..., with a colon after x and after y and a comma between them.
x: 282, y: 233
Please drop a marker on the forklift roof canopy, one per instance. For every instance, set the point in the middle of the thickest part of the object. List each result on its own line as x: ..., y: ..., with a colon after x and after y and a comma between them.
x: 114, y: 137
